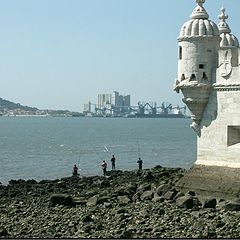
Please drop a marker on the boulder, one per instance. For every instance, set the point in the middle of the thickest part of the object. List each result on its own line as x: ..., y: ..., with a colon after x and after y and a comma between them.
x: 123, y: 200
x: 179, y: 194
x: 144, y: 187
x: 162, y: 189
x: 187, y: 202
x: 210, y: 203
x: 233, y: 205
x: 147, y: 195
x: 92, y: 201
x: 61, y: 199
x: 169, y: 195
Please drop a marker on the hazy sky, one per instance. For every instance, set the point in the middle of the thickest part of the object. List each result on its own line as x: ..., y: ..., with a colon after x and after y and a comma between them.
x: 59, y: 54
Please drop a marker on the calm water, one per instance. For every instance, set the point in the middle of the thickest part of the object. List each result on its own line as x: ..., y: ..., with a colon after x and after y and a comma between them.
x: 47, y: 147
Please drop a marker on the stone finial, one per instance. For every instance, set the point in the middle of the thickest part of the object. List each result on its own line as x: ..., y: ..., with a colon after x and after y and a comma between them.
x: 199, y: 12
x: 223, y: 26
x: 200, y: 2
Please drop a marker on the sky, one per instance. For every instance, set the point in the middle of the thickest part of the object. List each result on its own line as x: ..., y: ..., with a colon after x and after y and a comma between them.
x: 60, y: 54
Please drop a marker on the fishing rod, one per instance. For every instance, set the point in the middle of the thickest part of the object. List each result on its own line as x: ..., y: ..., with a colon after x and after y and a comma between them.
x: 139, y: 155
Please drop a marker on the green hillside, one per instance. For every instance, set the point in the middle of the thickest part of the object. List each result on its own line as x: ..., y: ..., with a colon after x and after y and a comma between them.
x: 5, y: 104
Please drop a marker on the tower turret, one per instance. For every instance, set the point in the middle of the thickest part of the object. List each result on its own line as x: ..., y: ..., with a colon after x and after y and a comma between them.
x: 228, y: 53
x: 198, y: 56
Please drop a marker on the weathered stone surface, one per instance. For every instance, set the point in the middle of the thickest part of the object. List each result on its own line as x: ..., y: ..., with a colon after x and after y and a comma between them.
x: 212, y: 181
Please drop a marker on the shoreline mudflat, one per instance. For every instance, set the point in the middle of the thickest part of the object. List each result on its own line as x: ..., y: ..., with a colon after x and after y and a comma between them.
x: 125, y: 204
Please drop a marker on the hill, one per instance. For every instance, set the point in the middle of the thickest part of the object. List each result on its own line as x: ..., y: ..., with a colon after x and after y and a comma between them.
x: 8, y: 105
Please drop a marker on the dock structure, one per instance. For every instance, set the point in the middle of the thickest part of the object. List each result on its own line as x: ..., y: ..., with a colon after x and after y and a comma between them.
x: 209, y: 79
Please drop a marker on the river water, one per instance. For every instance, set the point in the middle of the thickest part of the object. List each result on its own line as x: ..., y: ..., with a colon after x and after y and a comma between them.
x: 47, y: 147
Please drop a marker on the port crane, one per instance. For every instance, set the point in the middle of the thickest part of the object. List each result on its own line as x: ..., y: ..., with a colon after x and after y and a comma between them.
x: 142, y: 108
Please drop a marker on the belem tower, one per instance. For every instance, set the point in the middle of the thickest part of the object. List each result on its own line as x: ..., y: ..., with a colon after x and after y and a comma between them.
x: 209, y: 79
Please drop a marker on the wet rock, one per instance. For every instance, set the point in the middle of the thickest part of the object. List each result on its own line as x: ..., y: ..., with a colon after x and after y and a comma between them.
x: 61, y: 199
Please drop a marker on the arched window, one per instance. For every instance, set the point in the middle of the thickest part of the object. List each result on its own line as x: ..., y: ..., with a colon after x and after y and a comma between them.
x: 204, y: 77
x: 183, y: 77
x: 193, y: 77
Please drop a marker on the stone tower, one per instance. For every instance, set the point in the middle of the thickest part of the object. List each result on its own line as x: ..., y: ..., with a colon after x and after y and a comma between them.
x: 209, y: 78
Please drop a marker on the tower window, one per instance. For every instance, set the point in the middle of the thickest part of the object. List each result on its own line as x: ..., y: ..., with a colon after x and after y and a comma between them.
x: 233, y: 135
x: 180, y: 53
x: 182, y: 77
x: 201, y: 66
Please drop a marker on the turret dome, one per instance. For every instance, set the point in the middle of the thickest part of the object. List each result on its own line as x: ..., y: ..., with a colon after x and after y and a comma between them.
x: 227, y: 39
x: 199, y: 24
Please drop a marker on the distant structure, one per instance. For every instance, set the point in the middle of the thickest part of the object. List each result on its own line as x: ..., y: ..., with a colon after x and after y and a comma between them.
x: 116, y: 105
x: 109, y: 105
x: 209, y: 79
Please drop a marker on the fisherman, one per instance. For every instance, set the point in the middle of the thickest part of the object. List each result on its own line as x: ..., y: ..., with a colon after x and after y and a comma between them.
x: 104, y: 168
x: 75, y: 170
x: 140, y: 163
x: 113, y: 159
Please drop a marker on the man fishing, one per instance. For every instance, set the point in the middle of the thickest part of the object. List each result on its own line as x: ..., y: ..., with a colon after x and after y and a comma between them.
x: 75, y: 170
x: 140, y: 163
x: 113, y: 159
x: 104, y: 168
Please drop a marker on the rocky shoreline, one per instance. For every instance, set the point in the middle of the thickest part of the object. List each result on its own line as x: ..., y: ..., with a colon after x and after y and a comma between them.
x: 125, y: 204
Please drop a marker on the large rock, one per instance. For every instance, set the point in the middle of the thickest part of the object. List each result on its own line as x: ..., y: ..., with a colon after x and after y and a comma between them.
x: 92, y: 201
x: 169, y: 195
x: 123, y: 200
x: 187, y: 202
x: 61, y: 199
x: 233, y: 205
x: 147, y: 195
x: 210, y: 203
x: 162, y: 189
x: 144, y: 187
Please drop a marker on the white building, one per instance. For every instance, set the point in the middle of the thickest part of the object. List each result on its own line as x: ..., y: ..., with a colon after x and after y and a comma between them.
x: 209, y: 78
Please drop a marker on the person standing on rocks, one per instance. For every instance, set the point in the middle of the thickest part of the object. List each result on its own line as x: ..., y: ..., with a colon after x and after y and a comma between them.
x: 104, y: 168
x: 140, y: 163
x: 75, y: 170
x: 113, y: 159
